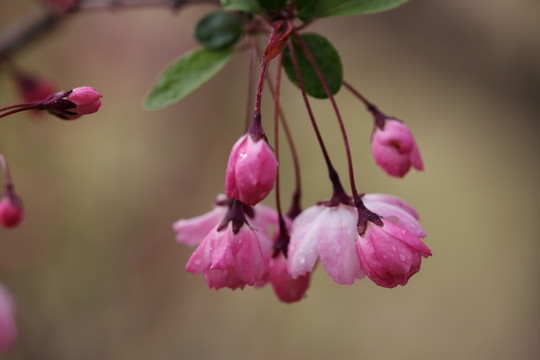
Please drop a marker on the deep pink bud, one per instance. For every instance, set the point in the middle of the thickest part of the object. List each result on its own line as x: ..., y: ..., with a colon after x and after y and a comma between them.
x: 394, y: 148
x: 286, y: 288
x: 11, y: 211
x: 8, y: 330
x: 86, y: 99
x: 390, y: 254
x: 251, y: 170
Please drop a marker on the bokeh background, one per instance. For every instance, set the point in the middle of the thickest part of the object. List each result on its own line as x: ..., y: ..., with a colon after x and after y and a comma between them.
x: 96, y: 272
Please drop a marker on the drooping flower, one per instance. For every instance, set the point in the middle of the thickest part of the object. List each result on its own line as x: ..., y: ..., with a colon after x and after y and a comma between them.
x: 228, y: 258
x: 390, y: 254
x: 8, y: 329
x: 328, y: 232
x: 251, y: 170
x: 287, y: 288
x: 333, y: 234
x: 394, y: 148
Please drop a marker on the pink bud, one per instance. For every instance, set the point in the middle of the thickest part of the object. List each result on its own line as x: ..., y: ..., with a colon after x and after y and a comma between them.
x: 8, y: 330
x: 86, y: 99
x: 286, y: 288
x: 11, y: 211
x: 389, y: 254
x: 251, y: 170
x: 394, y: 148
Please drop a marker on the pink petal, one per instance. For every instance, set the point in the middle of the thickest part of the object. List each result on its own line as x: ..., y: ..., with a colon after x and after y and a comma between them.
x: 336, y: 243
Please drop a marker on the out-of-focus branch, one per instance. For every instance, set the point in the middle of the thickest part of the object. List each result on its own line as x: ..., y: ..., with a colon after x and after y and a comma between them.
x: 26, y: 29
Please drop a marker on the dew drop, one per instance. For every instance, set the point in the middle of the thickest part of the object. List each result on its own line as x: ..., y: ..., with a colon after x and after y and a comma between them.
x: 402, y: 257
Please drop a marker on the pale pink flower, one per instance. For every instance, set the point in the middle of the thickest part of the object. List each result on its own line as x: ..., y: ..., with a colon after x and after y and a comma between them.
x: 8, y: 329
x: 328, y: 232
x: 229, y: 259
x: 395, y: 149
x: 11, y: 211
x: 251, y: 170
x: 390, y: 254
x: 287, y: 288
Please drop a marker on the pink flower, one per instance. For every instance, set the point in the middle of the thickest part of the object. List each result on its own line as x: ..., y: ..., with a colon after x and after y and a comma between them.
x: 328, y: 233
x: 390, y: 254
x: 395, y: 149
x: 11, y: 211
x: 251, y: 170
x: 8, y: 330
x: 287, y: 288
x: 229, y: 259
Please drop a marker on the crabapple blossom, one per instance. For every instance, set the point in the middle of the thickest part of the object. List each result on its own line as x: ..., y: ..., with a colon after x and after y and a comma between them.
x: 328, y: 232
x: 394, y: 148
x: 390, y: 254
x: 229, y: 259
x: 287, y: 288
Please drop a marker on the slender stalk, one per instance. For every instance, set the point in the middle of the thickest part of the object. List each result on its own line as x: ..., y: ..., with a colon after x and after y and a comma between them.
x: 339, y: 194
x: 251, y: 78
x: 27, y: 107
x: 9, y: 107
x: 7, y: 173
x: 380, y: 118
x: 312, y: 60
x: 295, y: 207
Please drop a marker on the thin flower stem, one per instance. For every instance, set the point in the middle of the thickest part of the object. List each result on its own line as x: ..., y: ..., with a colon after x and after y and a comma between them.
x: 251, y: 78
x: 380, y: 118
x: 7, y: 173
x: 9, y: 107
x: 27, y: 107
x: 295, y: 207
x: 366, y: 102
x: 312, y: 60
x: 339, y: 194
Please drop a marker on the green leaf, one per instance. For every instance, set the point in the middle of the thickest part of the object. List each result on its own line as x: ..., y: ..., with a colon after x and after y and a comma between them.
x: 185, y: 75
x: 306, y: 9
x: 352, y: 7
x: 244, y: 5
x: 327, y: 59
x: 219, y: 30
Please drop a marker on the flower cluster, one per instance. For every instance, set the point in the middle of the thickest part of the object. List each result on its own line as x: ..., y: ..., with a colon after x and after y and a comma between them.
x: 242, y: 242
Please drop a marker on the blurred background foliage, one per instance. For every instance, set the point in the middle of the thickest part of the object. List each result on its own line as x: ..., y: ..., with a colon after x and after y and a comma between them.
x: 94, y: 267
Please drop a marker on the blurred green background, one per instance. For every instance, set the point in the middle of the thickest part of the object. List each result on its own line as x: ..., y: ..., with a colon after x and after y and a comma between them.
x: 96, y: 272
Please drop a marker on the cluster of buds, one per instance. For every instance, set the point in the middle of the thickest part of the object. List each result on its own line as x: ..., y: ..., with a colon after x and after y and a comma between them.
x: 242, y: 242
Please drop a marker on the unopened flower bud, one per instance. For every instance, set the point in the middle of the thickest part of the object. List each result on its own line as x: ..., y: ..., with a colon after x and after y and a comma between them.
x: 251, y: 170
x: 11, y: 211
x: 394, y: 148
x: 72, y: 104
